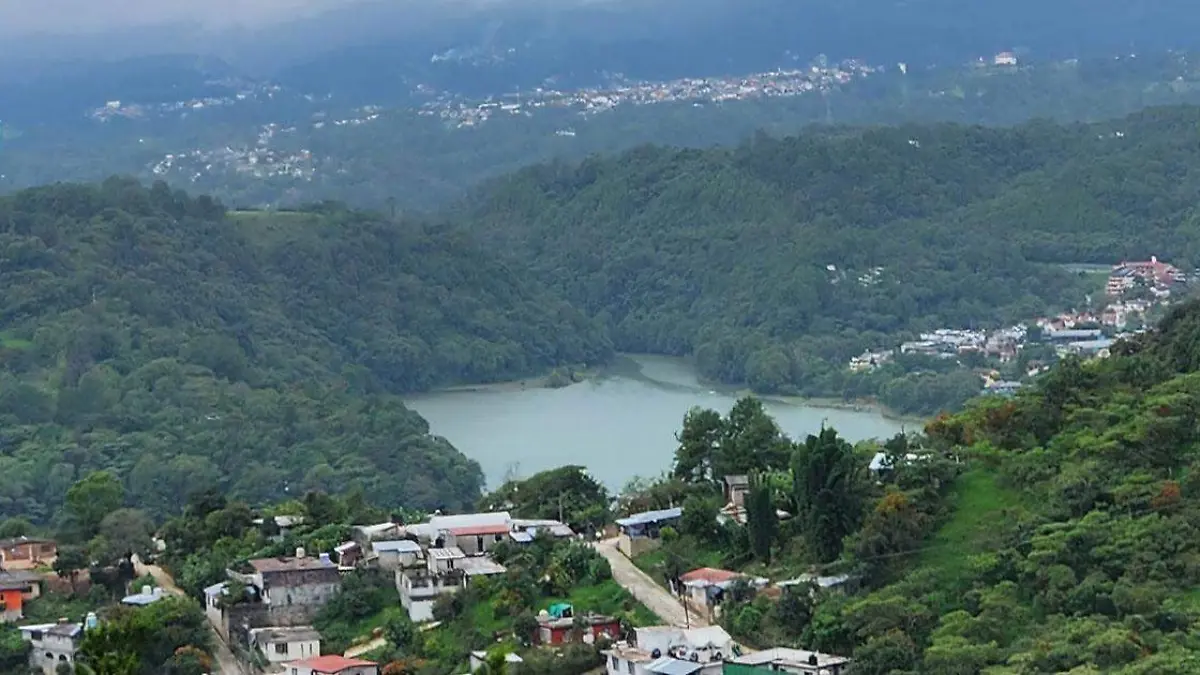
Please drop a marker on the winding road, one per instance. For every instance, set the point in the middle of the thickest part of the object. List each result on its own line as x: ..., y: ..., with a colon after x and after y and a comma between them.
x: 641, y: 586
x: 226, y: 662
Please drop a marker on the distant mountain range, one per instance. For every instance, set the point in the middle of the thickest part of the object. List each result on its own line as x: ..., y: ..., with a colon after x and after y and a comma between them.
x: 377, y: 51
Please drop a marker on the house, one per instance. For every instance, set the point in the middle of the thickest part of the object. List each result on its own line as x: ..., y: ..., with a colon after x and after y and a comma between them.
x: 286, y: 644
x: 531, y: 528
x: 1005, y: 59
x: 736, y: 488
x: 557, y: 626
x: 705, y: 587
x: 639, y: 532
x: 784, y: 660
x: 666, y: 650
x: 479, y: 660
x: 389, y: 531
x: 27, y: 553
x: 1002, y: 387
x: 331, y: 664
x: 17, y: 588
x: 392, y: 555
x: 52, y: 644
x: 148, y: 596
x: 292, y: 589
x: 283, y: 525
x: 476, y: 539
x: 349, y: 555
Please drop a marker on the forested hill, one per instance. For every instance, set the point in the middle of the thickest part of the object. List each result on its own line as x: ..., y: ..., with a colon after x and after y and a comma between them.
x: 154, y: 334
x: 773, y: 260
x: 1072, y: 544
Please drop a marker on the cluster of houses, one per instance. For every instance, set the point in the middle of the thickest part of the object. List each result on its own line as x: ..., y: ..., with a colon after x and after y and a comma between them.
x: 1087, y: 334
x: 278, y: 598
x: 25, y: 564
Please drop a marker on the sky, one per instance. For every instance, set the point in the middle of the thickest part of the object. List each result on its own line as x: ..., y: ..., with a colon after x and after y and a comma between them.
x: 23, y: 17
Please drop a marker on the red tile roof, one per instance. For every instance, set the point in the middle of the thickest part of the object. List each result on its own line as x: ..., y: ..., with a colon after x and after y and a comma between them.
x: 476, y: 530
x: 332, y: 663
x: 709, y: 574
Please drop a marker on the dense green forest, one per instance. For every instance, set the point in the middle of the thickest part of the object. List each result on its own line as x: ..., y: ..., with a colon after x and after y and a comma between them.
x: 775, y: 261
x: 179, y: 345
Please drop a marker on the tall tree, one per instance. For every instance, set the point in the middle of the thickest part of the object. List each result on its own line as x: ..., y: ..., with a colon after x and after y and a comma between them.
x: 699, y: 442
x: 828, y: 491
x: 90, y: 500
x: 761, y: 522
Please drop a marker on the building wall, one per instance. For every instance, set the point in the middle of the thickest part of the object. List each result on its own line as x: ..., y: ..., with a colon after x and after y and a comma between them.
x: 635, y: 546
x: 302, y: 587
x: 360, y: 670
x: 292, y: 651
x: 12, y: 602
x: 50, y: 651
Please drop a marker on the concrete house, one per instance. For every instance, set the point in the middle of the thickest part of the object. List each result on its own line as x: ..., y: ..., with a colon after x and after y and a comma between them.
x: 278, y: 645
x: 331, y: 665
x: 419, y: 587
x: 785, y: 660
x: 27, y: 553
x: 392, y: 555
x: 667, y: 650
x: 17, y: 588
x: 295, y: 588
x: 52, y: 644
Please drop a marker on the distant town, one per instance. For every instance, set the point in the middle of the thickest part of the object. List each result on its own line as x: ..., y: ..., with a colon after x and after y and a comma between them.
x: 1133, y: 291
x: 260, y: 158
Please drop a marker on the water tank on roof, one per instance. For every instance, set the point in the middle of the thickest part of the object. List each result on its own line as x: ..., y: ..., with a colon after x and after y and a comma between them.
x: 299, y: 551
x: 91, y: 621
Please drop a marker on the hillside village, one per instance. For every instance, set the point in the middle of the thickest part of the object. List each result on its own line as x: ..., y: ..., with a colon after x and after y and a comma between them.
x: 1134, y: 292
x: 265, y: 609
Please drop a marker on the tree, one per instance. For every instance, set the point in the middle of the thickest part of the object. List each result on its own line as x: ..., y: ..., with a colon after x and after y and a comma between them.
x: 699, y: 519
x: 403, y: 635
x: 525, y: 627
x: 123, y: 533
x: 15, y: 527
x: 762, y: 523
x: 91, y: 499
x: 146, y: 640
x: 828, y: 491
x: 699, y: 442
x: 69, y: 561
x: 569, y: 493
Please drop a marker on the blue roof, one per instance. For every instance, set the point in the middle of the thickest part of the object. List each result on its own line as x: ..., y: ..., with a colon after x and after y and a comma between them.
x: 669, y: 666
x: 398, y: 546
x: 650, y: 517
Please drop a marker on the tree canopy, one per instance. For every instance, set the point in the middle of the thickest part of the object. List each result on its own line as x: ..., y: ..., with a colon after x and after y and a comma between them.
x: 177, y: 346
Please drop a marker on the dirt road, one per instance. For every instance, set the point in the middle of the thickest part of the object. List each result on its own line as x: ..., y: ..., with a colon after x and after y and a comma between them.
x: 225, y: 659
x: 642, y: 587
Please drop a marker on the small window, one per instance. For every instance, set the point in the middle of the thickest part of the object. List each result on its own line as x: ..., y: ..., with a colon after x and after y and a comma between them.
x: 281, y: 648
x: 499, y: 537
x: 616, y: 663
x: 49, y: 656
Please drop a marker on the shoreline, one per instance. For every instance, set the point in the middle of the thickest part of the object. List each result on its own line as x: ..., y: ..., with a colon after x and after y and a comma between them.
x: 620, y: 367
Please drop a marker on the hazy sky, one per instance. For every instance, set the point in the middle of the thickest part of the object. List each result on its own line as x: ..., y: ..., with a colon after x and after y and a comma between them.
x: 71, y: 16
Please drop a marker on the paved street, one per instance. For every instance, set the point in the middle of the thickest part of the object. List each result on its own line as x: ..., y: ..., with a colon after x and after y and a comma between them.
x: 225, y: 659
x: 642, y: 587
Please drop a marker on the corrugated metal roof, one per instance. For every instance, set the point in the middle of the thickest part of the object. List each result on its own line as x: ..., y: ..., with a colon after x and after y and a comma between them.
x: 647, y: 517
x: 398, y: 546
x: 669, y: 666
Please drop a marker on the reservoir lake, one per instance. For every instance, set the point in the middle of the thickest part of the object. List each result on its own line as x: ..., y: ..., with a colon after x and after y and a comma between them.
x: 619, y: 424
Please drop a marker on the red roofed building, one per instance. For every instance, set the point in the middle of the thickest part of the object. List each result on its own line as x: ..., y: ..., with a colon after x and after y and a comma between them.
x: 477, y: 539
x: 705, y: 587
x: 331, y: 664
